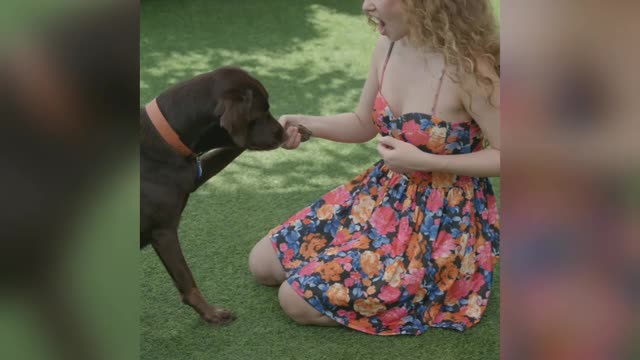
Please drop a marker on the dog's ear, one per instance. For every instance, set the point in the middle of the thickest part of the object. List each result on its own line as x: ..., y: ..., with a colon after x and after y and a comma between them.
x: 233, y: 109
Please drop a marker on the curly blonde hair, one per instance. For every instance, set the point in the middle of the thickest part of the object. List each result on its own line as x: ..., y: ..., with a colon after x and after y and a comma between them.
x: 463, y: 31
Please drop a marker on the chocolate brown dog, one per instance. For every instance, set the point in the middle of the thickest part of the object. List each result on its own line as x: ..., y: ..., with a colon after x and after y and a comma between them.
x: 189, y: 133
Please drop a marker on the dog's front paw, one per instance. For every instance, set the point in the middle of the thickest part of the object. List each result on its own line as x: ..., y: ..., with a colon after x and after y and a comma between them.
x: 218, y: 316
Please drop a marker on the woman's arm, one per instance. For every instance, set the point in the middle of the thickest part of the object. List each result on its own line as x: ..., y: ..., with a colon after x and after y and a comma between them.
x: 354, y: 127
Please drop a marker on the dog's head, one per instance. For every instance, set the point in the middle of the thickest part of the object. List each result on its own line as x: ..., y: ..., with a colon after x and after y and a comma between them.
x: 222, y: 108
x: 243, y: 110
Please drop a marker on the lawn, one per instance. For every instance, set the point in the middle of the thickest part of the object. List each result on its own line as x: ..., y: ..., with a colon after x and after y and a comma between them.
x: 312, y: 56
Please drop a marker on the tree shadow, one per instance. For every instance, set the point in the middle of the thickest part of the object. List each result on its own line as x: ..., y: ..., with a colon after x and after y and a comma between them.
x: 242, y: 26
x: 290, y: 46
x: 322, y: 165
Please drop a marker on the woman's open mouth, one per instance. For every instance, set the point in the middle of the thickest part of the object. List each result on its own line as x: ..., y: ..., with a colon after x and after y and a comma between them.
x: 380, y: 25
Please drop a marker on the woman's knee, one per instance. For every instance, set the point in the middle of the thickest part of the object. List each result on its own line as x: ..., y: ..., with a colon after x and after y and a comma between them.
x: 264, y: 264
x: 297, y: 308
x: 290, y: 304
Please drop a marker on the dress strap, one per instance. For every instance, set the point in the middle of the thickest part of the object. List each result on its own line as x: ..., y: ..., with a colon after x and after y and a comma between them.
x: 435, y: 101
x: 386, y: 61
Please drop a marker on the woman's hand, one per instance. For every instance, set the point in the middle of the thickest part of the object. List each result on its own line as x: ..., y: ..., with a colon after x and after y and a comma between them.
x: 290, y: 124
x: 402, y: 157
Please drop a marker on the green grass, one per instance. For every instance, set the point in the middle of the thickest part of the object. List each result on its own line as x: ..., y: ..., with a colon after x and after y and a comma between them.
x: 312, y: 56
x: 496, y: 7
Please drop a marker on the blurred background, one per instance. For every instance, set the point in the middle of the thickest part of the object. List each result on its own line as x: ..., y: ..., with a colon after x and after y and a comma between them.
x: 69, y: 80
x: 570, y: 179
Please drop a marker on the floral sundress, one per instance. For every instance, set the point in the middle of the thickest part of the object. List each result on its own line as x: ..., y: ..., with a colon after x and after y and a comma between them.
x: 388, y: 253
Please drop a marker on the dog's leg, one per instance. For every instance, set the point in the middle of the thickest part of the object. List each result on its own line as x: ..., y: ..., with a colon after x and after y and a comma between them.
x: 215, y: 160
x: 167, y: 247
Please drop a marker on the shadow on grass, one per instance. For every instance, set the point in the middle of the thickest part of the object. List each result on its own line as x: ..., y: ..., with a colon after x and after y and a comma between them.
x: 324, y: 166
x: 279, y: 41
x: 290, y: 46
x: 245, y: 26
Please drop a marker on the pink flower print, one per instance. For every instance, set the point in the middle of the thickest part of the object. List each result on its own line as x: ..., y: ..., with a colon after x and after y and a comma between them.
x: 493, y: 209
x: 386, y: 248
x: 459, y: 289
x: 435, y: 200
x: 309, y: 268
x: 380, y: 104
x: 399, y: 244
x: 443, y: 246
x: 351, y: 315
x: 384, y: 220
x: 484, y: 256
x: 414, y: 135
x: 413, y: 281
x: 393, y: 317
x: 340, y: 238
x: 389, y: 294
x: 346, y: 247
x: 336, y: 197
x: 394, y: 180
x: 467, y: 207
x: 288, y: 255
x: 476, y: 282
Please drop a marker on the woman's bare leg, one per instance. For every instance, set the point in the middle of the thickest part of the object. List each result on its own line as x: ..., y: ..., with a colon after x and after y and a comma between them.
x: 264, y: 264
x: 299, y: 310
